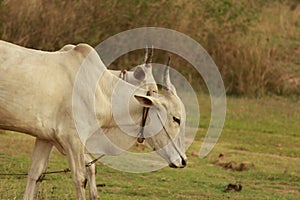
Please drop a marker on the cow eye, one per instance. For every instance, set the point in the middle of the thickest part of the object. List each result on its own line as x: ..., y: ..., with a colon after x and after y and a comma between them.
x: 177, y: 120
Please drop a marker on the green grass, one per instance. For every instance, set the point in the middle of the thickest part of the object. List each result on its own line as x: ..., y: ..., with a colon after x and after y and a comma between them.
x: 263, y: 134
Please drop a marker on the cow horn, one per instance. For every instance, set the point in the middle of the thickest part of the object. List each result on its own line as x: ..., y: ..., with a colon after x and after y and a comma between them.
x: 166, y: 77
x: 148, y: 55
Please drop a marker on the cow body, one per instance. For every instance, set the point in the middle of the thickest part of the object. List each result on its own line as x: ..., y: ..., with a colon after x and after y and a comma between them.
x: 35, y: 90
x: 36, y: 99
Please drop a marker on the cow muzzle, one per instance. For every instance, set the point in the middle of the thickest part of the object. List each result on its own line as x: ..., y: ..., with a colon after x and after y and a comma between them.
x: 180, y: 163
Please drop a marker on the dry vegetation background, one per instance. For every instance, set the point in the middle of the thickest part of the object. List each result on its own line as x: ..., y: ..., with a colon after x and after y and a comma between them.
x: 255, y: 44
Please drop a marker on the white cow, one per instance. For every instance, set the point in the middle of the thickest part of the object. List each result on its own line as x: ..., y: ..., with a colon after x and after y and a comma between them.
x: 140, y: 76
x: 36, y: 89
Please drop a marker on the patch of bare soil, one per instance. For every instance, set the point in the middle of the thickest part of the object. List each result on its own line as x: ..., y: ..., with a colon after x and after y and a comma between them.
x: 233, y: 165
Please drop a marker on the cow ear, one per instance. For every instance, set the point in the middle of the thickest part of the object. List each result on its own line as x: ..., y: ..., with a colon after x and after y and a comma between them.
x: 146, y: 101
x: 139, y: 73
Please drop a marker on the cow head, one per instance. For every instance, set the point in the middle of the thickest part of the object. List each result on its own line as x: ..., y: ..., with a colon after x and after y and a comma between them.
x: 167, y: 118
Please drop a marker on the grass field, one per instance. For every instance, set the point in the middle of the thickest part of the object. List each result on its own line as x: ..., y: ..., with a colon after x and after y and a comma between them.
x: 260, y: 148
x: 256, y: 46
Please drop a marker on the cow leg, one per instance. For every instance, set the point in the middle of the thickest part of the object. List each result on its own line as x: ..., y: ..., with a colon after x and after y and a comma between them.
x: 75, y: 155
x: 38, y: 165
x: 91, y: 176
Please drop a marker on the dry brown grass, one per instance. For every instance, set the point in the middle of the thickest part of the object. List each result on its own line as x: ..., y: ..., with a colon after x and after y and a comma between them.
x: 255, y: 45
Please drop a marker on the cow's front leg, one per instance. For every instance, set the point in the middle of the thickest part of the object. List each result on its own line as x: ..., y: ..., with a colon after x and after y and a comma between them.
x: 91, y: 176
x: 38, y: 166
x: 75, y: 155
